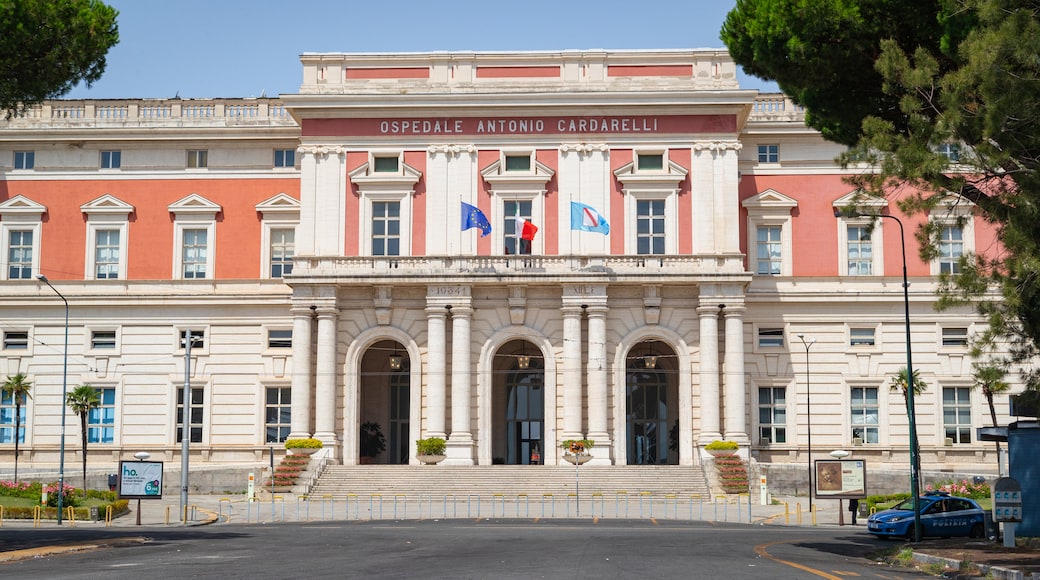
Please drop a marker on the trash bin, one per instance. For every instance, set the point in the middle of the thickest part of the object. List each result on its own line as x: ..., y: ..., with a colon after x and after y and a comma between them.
x: 113, y: 479
x: 95, y: 514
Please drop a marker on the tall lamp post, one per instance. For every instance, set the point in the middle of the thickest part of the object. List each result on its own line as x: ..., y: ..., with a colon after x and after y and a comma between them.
x: 915, y: 451
x: 186, y: 423
x: 64, y: 389
x: 808, y: 415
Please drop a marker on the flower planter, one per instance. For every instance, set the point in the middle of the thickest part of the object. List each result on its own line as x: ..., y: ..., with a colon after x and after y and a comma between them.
x: 577, y: 458
x: 721, y: 452
x: 303, y: 450
x: 430, y: 459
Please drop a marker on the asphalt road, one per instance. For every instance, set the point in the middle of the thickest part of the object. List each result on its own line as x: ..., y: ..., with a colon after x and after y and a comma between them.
x: 457, y: 549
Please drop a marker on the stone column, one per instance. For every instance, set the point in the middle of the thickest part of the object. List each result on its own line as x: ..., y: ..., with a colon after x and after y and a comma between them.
x: 436, y: 394
x: 571, y: 374
x: 597, y: 373
x: 709, y: 374
x: 325, y: 380
x: 736, y: 396
x: 460, y: 443
x: 300, y: 420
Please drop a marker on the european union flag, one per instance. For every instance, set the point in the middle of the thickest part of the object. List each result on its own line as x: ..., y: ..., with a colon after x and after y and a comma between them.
x: 472, y: 217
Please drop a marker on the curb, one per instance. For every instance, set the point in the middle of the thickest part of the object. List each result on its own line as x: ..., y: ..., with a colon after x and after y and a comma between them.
x: 43, y: 551
x: 995, y: 572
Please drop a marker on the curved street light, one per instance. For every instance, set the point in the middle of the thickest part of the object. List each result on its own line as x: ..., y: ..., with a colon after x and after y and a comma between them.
x: 64, y: 389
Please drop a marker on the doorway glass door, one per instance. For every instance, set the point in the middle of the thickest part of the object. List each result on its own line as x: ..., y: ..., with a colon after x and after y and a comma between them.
x: 647, y: 417
x: 399, y: 403
x: 525, y: 413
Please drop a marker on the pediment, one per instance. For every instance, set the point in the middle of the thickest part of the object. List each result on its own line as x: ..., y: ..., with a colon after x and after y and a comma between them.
x: 535, y: 180
x: 664, y: 179
x: 396, y: 182
x: 194, y: 204
x: 22, y: 206
x: 107, y: 205
x: 857, y: 198
x: 283, y: 205
x: 769, y: 199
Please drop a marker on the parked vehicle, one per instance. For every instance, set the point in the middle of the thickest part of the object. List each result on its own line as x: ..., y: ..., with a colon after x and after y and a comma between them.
x: 942, y: 515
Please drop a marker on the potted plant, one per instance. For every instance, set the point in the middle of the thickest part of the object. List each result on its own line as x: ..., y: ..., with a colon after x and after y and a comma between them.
x: 722, y: 448
x: 305, y: 446
x: 577, y: 450
x: 373, y: 442
x: 430, y: 450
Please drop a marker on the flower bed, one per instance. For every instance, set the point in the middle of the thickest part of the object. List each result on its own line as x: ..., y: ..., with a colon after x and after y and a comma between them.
x: 288, y: 471
x: 733, y: 475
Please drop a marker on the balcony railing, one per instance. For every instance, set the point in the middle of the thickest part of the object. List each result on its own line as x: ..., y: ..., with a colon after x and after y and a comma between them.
x: 151, y: 111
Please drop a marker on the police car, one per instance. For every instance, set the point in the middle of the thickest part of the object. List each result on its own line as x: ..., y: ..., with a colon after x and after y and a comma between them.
x: 942, y: 515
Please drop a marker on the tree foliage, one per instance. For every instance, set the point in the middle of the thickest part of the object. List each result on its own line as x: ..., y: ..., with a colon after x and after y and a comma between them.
x: 897, y: 80
x: 48, y: 46
x: 82, y: 400
x: 19, y: 388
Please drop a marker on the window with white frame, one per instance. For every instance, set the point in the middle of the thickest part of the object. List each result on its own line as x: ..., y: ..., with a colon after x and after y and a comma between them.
x: 769, y: 153
x: 649, y: 161
x: 386, y: 228
x: 108, y: 223
x: 198, y: 158
x: 770, y: 337
x: 8, y: 417
x: 517, y: 162
x: 283, y: 247
x: 951, y: 248
x: 277, y: 414
x: 20, y: 255
x: 864, y: 414
x: 954, y: 336
x: 196, y: 414
x: 194, y: 233
x: 285, y: 158
x: 106, y: 254
x: 386, y: 164
x: 951, y: 151
x: 956, y: 402
x: 513, y: 237
x: 650, y: 227
x: 861, y: 337
x: 953, y: 218
x: 24, y: 160
x: 101, y: 421
x: 16, y: 340
x: 772, y: 415
x: 279, y: 338
x: 21, y: 222
x: 103, y: 339
x: 769, y: 233
x: 281, y: 215
x: 860, y: 250
x: 518, y: 182
x: 111, y: 159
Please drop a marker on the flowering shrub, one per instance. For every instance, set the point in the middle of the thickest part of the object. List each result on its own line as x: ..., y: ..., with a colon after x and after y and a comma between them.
x: 68, y: 495
x: 963, y: 488
x: 21, y: 489
x: 288, y: 470
x: 733, y: 474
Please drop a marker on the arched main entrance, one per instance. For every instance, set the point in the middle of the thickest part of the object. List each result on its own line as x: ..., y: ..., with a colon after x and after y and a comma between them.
x: 651, y: 405
x: 385, y: 403
x: 518, y: 401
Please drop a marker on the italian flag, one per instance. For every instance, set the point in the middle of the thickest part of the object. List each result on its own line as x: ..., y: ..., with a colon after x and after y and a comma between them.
x: 525, y: 229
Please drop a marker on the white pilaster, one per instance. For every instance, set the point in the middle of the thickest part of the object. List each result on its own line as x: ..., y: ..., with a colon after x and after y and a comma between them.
x: 300, y: 421
x: 709, y: 374
x: 460, y: 443
x: 736, y: 397
x: 597, y: 373
x: 323, y: 184
x: 436, y: 396
x: 325, y: 380
x: 571, y: 373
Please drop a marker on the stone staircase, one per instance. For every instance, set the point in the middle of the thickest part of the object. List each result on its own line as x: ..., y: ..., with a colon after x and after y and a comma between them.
x: 339, y: 481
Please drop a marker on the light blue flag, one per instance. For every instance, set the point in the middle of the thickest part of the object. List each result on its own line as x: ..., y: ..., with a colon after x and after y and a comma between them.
x: 587, y: 219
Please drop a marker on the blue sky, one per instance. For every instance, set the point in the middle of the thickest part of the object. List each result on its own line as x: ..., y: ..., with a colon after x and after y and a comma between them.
x: 245, y: 48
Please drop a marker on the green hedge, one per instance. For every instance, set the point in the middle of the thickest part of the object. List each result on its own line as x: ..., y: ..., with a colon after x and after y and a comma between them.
x: 119, y: 507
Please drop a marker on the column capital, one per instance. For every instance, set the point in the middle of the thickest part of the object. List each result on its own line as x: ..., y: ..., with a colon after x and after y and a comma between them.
x: 709, y: 311
x: 459, y: 310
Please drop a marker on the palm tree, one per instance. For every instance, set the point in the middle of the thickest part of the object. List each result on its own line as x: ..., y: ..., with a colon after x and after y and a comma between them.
x: 82, y: 400
x: 18, y: 387
x: 991, y: 380
x: 899, y: 382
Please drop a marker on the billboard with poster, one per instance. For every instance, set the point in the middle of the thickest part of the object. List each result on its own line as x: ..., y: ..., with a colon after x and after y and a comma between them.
x: 140, y: 479
x: 841, y: 479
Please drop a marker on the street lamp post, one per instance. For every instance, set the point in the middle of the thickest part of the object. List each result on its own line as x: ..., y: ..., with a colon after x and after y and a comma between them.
x: 915, y: 452
x: 141, y: 456
x: 808, y: 416
x: 64, y: 389
x: 186, y: 424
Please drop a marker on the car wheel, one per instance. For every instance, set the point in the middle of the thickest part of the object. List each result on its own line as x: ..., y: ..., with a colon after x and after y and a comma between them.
x: 977, y: 531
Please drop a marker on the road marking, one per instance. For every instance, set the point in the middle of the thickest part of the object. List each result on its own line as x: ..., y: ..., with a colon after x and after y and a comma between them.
x: 761, y: 551
x: 845, y: 573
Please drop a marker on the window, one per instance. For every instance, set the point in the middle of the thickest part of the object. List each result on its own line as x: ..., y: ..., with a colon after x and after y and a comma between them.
x: 7, y: 418
x: 194, y: 256
x: 518, y: 163
x: 860, y: 250
x: 386, y: 228
x: 861, y: 337
x: 106, y: 254
x: 198, y: 339
x: 650, y: 161
x: 957, y: 414
x: 16, y: 340
x: 769, y: 250
x: 103, y: 339
x: 196, y: 414
x: 772, y: 415
x: 863, y: 408
x: 513, y: 212
x: 769, y: 154
x: 386, y: 164
x: 111, y: 159
x: 20, y: 255
x: 770, y: 337
x: 198, y: 158
x: 650, y: 230
x: 283, y: 246
x: 956, y: 336
x: 101, y: 422
x: 285, y: 158
x: 277, y: 414
x: 279, y: 338
x: 951, y: 248
x: 24, y: 159
x: 951, y: 151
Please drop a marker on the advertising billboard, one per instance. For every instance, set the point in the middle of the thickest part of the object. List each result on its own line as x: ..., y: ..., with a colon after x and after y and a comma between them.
x: 140, y: 479
x: 841, y: 479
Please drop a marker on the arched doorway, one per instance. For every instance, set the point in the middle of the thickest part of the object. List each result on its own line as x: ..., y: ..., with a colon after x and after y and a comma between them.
x: 385, y: 404
x: 519, y: 405
x: 651, y: 405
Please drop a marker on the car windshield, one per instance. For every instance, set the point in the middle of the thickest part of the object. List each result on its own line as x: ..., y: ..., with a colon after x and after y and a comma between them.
x: 908, y: 504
